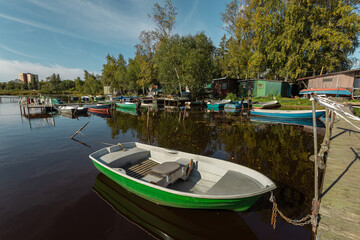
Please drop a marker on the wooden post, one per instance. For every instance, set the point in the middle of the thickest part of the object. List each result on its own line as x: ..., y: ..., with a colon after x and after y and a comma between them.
x: 78, y: 130
x: 315, y: 149
x: 327, y: 135
x: 315, y: 202
x: 148, y: 117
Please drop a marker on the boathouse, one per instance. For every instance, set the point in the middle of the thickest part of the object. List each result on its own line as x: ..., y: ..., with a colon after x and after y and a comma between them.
x: 251, y: 87
x: 345, y: 80
x: 225, y: 85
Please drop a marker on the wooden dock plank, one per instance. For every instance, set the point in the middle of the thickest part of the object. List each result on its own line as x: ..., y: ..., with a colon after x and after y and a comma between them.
x: 340, y: 201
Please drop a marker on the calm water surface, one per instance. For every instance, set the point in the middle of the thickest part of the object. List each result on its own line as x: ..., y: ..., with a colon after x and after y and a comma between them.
x: 49, y: 189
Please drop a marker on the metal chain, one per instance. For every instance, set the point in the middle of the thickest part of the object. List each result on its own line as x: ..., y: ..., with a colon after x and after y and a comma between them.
x: 300, y: 222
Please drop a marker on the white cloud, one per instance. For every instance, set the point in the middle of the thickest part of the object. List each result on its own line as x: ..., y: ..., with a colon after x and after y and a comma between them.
x: 105, y: 22
x: 10, y: 69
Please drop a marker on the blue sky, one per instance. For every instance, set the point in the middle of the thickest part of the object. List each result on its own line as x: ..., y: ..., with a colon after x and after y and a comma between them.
x: 68, y: 36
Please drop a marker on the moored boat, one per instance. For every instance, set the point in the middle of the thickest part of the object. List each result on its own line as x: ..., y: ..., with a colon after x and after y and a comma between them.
x: 236, y: 105
x: 217, y: 104
x: 128, y: 105
x: 100, y: 108
x: 74, y: 110
x: 326, y: 91
x: 304, y: 114
x: 179, y: 179
x: 266, y: 105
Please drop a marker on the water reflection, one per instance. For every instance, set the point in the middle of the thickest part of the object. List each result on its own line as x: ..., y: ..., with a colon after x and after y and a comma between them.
x: 279, y: 151
x: 129, y: 111
x: 171, y: 223
x: 102, y: 115
x: 304, y: 122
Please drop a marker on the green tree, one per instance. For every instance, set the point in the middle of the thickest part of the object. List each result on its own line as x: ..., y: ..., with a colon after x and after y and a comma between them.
x: 185, y: 62
x: 120, y: 74
x: 68, y: 85
x: 79, y: 84
x: 54, y: 83
x: 92, y: 84
x: 145, y: 57
x: 164, y: 19
x: 109, y: 71
x: 290, y: 37
x: 132, y: 73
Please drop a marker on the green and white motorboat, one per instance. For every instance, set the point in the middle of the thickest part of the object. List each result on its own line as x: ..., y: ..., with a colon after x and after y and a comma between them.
x: 178, y: 179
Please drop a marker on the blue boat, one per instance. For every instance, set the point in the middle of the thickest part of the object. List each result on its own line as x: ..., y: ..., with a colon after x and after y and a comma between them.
x: 236, y: 105
x: 293, y: 114
x: 217, y: 104
x: 327, y: 91
x: 290, y: 121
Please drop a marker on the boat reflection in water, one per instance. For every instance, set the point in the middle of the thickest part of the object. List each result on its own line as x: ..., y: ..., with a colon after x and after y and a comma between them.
x: 304, y: 122
x: 132, y: 111
x: 102, y: 115
x: 171, y: 223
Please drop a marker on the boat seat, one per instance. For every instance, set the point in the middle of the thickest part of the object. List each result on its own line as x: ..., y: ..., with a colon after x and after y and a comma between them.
x: 234, y: 183
x: 168, y: 173
x: 123, y: 157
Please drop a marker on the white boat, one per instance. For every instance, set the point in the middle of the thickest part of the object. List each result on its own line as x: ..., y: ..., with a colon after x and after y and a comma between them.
x: 74, y: 110
x: 180, y: 179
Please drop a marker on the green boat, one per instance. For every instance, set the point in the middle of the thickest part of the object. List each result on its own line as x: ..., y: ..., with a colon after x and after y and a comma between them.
x: 178, y: 179
x: 171, y: 223
x: 127, y: 105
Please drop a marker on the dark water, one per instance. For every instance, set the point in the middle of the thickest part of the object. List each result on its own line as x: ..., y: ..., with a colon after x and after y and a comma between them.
x: 49, y: 188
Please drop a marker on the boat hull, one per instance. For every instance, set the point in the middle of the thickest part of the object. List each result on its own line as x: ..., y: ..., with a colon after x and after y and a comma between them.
x: 102, y: 109
x: 176, y: 200
x: 127, y: 106
x: 266, y: 105
x: 305, y: 114
x: 327, y: 91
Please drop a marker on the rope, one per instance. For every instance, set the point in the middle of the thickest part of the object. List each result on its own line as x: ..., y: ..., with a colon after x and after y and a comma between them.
x: 298, y: 222
x: 105, y: 143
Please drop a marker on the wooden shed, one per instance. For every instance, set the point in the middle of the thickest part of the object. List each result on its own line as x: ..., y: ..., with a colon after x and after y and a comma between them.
x: 225, y: 85
x: 265, y: 88
x: 349, y: 80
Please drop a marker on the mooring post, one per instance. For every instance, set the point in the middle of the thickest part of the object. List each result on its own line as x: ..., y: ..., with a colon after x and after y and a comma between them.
x: 78, y: 130
x: 332, y: 118
x: 315, y: 202
x: 327, y: 123
x: 148, y: 118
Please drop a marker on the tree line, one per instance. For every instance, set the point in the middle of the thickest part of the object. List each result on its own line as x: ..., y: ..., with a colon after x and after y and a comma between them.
x: 275, y: 39
x: 53, y: 84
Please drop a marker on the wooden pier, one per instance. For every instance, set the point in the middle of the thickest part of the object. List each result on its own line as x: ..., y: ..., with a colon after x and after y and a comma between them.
x: 340, y: 198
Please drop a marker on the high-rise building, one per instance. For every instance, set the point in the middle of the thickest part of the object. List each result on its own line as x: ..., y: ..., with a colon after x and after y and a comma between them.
x: 28, y: 78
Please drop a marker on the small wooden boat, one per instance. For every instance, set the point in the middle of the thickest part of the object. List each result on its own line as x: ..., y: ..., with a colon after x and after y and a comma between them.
x: 100, y: 108
x: 217, y: 104
x: 128, y: 105
x: 304, y: 114
x: 179, y: 179
x: 266, y: 105
x: 236, y: 105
